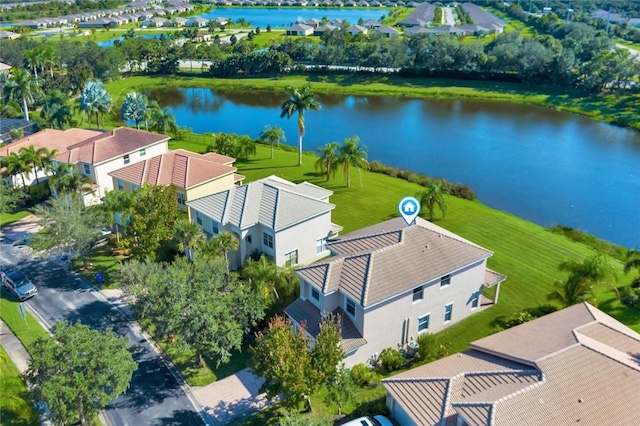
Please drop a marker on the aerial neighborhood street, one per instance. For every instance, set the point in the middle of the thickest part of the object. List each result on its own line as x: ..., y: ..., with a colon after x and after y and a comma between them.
x: 319, y: 212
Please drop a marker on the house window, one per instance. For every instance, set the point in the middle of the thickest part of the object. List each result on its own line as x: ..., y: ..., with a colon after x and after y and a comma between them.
x: 134, y: 187
x: 475, y: 300
x: 214, y: 227
x: 198, y: 218
x: 291, y: 258
x: 143, y: 152
x: 321, y: 245
x: 87, y: 169
x: 351, y: 307
x: 249, y: 238
x: 418, y: 293
x: 182, y: 198
x: 120, y: 184
x: 267, y: 240
x: 448, y: 312
x: 445, y: 281
x: 315, y: 294
x: 126, y: 159
x: 423, y: 323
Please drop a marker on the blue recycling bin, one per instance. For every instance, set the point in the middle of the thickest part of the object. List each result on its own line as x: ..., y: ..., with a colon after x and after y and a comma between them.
x: 26, y: 238
x: 100, y: 278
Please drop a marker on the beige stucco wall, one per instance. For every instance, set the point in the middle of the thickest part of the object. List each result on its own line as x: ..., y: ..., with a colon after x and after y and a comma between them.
x: 211, y: 187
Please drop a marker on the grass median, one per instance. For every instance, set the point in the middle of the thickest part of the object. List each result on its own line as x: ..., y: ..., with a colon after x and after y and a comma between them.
x: 15, y: 404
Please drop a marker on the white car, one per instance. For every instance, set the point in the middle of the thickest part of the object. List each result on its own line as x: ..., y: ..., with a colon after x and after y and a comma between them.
x: 370, y: 421
x: 19, y: 285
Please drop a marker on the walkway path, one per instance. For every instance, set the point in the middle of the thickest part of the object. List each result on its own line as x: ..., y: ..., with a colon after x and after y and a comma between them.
x: 14, y: 348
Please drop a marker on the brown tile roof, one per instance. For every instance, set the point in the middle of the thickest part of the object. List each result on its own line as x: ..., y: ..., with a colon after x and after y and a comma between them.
x: 303, y: 311
x: 592, y: 378
x: 109, y: 145
x: 372, y: 268
x: 181, y: 168
x: 50, y: 139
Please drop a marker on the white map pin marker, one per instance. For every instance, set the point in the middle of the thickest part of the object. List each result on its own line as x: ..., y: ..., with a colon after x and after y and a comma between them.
x: 409, y: 209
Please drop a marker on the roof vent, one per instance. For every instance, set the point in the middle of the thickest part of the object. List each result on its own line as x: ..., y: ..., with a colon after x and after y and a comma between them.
x: 580, y: 400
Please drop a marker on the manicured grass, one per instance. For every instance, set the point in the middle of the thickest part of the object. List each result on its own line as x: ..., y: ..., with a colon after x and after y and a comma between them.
x: 15, y: 404
x: 103, y: 260
x: 620, y: 110
x: 29, y: 331
x: 8, y: 218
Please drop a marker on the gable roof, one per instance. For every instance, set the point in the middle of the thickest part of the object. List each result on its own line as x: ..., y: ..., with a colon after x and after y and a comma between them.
x: 373, y: 265
x: 50, y: 139
x: 574, y: 359
x: 109, y: 145
x: 267, y: 201
x: 181, y: 168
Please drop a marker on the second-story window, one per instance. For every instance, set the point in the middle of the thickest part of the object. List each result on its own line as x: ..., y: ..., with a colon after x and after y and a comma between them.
x: 315, y: 294
x: 143, y: 152
x: 126, y: 159
x: 351, y: 307
x: 198, y: 218
x: 87, y: 169
x: 120, y: 184
x: 182, y: 198
x: 418, y: 293
x: 445, y: 281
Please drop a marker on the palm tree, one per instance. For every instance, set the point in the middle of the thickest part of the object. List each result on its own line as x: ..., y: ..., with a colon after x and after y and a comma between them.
x: 37, y: 158
x: 577, y: 288
x: 56, y: 110
x: 117, y: 204
x: 95, y: 100
x: 273, y: 136
x: 633, y: 262
x: 21, y: 87
x: 244, y: 147
x: 162, y: 120
x: 298, y: 102
x: 16, y: 164
x: 66, y: 179
x: 189, y: 237
x: 34, y: 60
x: 49, y: 58
x: 269, y: 280
x: 327, y: 159
x: 431, y: 197
x: 221, y: 244
x: 134, y: 107
x: 352, y: 154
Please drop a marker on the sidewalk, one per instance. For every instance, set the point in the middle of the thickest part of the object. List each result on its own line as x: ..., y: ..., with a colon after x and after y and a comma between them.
x: 14, y: 348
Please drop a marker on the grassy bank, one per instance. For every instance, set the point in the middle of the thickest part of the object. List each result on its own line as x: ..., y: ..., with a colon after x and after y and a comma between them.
x: 15, y: 404
x: 621, y: 110
x: 9, y: 218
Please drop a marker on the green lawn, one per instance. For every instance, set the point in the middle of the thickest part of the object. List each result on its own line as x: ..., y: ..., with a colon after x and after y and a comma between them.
x: 8, y: 218
x: 29, y: 331
x: 102, y: 260
x: 15, y: 404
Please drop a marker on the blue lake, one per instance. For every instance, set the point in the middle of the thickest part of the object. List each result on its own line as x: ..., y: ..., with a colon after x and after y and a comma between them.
x: 543, y: 165
x: 285, y: 17
x: 109, y: 43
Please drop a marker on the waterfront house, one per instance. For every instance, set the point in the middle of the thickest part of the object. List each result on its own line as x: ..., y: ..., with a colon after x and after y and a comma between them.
x: 386, y: 31
x: 299, y: 30
x: 391, y: 282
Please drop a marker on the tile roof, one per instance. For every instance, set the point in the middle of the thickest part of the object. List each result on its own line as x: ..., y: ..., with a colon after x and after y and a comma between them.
x: 267, y: 201
x: 589, y: 373
x: 109, y: 145
x: 373, y: 267
x: 50, y: 139
x: 181, y: 168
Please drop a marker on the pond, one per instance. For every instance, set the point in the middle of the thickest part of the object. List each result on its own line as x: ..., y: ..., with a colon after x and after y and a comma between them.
x: 285, y: 17
x: 109, y: 43
x: 543, y: 165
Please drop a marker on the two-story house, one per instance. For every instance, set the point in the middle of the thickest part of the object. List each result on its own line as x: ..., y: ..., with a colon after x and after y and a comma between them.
x: 290, y: 223
x: 390, y: 282
x: 193, y: 175
x: 99, y: 155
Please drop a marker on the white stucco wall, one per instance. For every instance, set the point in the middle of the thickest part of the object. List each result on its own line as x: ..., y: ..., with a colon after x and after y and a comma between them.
x: 302, y: 237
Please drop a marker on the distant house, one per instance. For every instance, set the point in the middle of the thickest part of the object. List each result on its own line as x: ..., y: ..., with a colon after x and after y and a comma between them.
x: 387, y: 31
x: 323, y: 28
x: 288, y: 222
x: 315, y: 23
x: 8, y: 35
x: 574, y: 366
x: 412, y: 22
x: 193, y: 175
x: 299, y: 30
x: 354, y: 30
x: 371, y: 24
x: 391, y: 282
x: 178, y: 21
x: 197, y: 21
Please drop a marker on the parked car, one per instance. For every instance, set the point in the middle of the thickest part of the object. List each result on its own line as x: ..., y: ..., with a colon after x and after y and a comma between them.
x: 19, y: 285
x: 370, y: 421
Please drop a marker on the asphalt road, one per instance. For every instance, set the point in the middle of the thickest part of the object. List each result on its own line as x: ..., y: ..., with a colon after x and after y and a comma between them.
x: 155, y: 396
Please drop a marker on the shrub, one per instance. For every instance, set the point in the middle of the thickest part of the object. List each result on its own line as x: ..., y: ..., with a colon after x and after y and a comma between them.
x: 391, y: 359
x: 364, y: 376
x: 374, y: 407
x: 630, y: 296
x: 462, y: 191
x: 431, y: 348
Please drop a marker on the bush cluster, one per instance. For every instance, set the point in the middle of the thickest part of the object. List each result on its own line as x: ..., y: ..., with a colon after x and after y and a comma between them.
x: 364, y: 376
x: 431, y: 348
x: 391, y: 359
x: 456, y: 189
x: 630, y: 296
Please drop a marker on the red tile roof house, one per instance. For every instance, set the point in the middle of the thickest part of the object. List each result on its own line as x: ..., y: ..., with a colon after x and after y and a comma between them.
x: 95, y: 153
x: 193, y: 175
x: 576, y: 366
x: 390, y: 282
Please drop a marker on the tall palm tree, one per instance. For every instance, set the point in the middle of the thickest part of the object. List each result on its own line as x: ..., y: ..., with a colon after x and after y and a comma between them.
x: 15, y: 164
x: 298, y: 102
x: 21, y: 87
x: 117, y: 204
x: 34, y: 59
x: 633, y: 262
x: 577, y: 288
x: 327, y: 161
x: 49, y: 57
x: 269, y: 280
x: 189, y: 237
x: 66, y: 179
x: 220, y: 245
x: 273, y: 136
x: 162, y: 119
x: 134, y: 107
x: 95, y: 100
x: 56, y: 110
x: 431, y: 197
x: 352, y: 154
x: 37, y: 158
